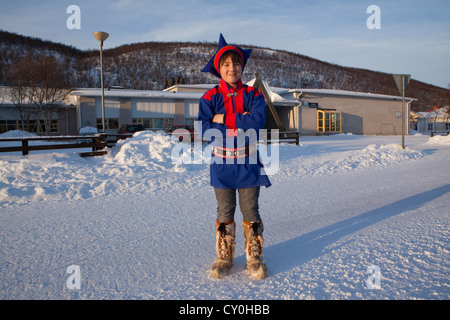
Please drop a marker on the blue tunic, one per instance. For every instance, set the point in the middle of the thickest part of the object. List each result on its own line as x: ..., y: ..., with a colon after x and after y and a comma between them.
x: 239, y: 130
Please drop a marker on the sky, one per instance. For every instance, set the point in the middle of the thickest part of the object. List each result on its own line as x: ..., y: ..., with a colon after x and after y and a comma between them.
x: 393, y: 36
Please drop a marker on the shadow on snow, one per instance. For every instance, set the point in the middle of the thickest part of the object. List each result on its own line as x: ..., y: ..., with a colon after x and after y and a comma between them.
x: 302, y: 249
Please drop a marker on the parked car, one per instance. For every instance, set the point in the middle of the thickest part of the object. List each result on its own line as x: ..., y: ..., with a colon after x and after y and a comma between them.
x: 86, y: 131
x: 131, y: 128
x: 183, y: 130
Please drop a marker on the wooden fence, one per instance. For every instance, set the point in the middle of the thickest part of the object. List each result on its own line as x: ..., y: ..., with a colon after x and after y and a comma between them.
x: 433, y: 133
x: 99, y: 142
x: 96, y: 142
x: 289, y: 137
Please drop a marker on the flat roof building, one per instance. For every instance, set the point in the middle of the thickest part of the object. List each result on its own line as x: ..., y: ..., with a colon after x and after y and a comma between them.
x: 307, y: 111
x: 323, y: 111
x: 153, y: 109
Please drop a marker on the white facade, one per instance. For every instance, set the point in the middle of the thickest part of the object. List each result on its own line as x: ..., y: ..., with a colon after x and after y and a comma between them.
x: 155, y: 110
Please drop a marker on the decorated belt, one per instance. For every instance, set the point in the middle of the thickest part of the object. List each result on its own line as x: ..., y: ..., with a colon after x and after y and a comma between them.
x: 234, y: 153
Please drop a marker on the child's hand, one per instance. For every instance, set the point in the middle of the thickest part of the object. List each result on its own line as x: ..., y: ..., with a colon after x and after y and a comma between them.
x: 219, y: 118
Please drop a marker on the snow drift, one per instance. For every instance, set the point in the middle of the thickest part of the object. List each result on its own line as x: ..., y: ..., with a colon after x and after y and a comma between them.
x: 145, y: 163
x: 140, y: 226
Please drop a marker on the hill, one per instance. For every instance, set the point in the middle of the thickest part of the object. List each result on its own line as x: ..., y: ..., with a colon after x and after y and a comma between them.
x: 154, y: 65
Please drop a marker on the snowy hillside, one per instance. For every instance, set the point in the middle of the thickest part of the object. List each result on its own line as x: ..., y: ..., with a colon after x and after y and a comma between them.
x: 148, y: 65
x: 139, y: 226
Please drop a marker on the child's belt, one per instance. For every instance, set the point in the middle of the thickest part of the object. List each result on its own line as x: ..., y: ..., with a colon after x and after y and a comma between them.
x: 234, y: 153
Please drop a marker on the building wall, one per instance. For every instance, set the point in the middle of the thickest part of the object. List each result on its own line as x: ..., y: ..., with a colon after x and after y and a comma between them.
x: 86, y: 112
x: 125, y: 110
x: 308, y: 121
x: 125, y: 115
x: 178, y: 117
x: 289, y: 117
x: 9, y: 113
x: 359, y: 115
x: 67, y: 121
x: 425, y: 125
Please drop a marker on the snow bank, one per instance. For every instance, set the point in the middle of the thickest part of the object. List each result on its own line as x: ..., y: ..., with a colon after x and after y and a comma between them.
x: 138, y: 165
x: 88, y: 130
x: 143, y: 228
x: 443, y: 140
x: 378, y: 156
x: 17, y: 134
x: 307, y: 161
x: 146, y: 148
x: 146, y: 163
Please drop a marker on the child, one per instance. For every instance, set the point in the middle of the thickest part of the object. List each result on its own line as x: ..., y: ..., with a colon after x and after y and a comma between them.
x: 231, y: 110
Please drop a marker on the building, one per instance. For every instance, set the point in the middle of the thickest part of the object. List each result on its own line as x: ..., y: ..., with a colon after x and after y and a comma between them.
x: 307, y: 111
x: 437, y: 120
x: 320, y: 111
x: 331, y: 111
x: 155, y: 110
x: 61, y: 122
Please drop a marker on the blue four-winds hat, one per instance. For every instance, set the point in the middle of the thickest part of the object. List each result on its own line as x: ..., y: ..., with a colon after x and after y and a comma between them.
x: 213, y: 64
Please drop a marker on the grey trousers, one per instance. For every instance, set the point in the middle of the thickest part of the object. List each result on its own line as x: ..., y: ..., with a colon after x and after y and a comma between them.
x: 248, y: 204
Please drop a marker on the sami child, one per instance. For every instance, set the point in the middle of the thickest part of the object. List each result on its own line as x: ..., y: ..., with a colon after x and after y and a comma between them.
x: 231, y: 110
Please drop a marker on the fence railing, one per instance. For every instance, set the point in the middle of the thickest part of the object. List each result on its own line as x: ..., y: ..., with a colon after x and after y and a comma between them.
x: 289, y: 137
x: 96, y: 142
x: 99, y: 142
x: 433, y: 133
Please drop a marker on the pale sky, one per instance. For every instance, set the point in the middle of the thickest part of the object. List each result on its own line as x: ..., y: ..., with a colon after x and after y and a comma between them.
x: 414, y: 35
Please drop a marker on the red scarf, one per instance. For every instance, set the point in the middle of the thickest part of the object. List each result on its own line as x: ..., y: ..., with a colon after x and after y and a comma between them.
x: 234, y: 103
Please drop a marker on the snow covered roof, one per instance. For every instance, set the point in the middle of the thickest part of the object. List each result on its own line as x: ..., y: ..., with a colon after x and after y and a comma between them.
x: 204, y: 87
x: 97, y: 92
x: 441, y: 113
x: 274, y: 97
x: 342, y: 93
x: 7, y: 99
x: 276, y: 94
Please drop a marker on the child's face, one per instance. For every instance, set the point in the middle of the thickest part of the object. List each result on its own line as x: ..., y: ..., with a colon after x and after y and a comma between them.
x: 230, y: 72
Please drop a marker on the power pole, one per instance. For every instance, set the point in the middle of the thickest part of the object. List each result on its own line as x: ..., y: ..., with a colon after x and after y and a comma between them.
x: 402, y: 80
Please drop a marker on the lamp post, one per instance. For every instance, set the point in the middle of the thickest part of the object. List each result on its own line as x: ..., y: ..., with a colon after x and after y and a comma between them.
x: 102, y: 36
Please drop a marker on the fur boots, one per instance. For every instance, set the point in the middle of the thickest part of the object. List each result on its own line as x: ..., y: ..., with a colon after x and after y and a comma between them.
x: 256, y: 266
x: 225, y: 243
x: 225, y: 246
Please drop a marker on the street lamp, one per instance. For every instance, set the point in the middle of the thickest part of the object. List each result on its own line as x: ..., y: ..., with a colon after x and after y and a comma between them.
x: 101, y: 36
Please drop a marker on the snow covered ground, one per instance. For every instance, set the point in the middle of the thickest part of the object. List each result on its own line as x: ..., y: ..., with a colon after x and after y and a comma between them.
x: 135, y: 225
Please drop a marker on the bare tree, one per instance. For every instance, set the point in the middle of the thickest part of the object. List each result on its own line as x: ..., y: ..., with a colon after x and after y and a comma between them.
x: 39, y: 85
x: 18, y: 77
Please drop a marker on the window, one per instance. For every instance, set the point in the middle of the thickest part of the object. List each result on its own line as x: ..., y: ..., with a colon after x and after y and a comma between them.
x: 154, y: 123
x: 109, y: 124
x: 34, y: 126
x: 7, y: 125
x: 190, y: 121
x: 40, y: 127
x: 329, y: 121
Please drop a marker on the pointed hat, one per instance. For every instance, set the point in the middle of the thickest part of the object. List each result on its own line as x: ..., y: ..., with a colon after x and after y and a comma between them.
x: 213, y: 64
